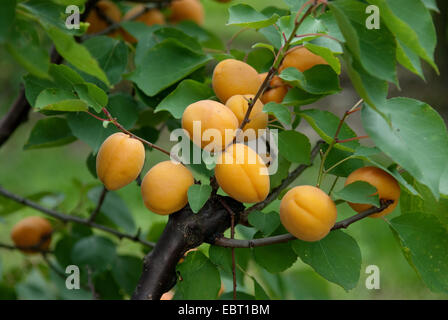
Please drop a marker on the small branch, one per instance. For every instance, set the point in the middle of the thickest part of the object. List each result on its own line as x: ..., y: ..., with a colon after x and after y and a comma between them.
x: 99, y: 205
x: 352, y: 139
x: 229, y: 43
x: 90, y: 284
x: 66, y: 218
x: 317, y: 35
x: 236, y: 243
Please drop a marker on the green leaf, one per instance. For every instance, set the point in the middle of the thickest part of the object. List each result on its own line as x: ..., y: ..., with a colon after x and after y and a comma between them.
x: 375, y: 49
x: 126, y: 271
x: 200, y: 278
x: 264, y: 46
x: 259, y: 292
x: 416, y: 139
x: 344, y: 168
x: 114, y: 208
x: 49, y: 132
x: 244, y: 15
x: 327, y: 54
x: 279, y: 111
x: 165, y: 64
x: 299, y: 97
x: 320, y: 79
x: 266, y: 223
x: 186, y: 93
x: 431, y: 5
x: 336, y: 257
x: 203, y: 36
x: 8, y: 206
x: 7, y: 16
x: 282, y: 172
x: 277, y: 257
x: 35, y: 287
x: 76, y: 54
x: 221, y: 257
x: 359, y: 192
x: 198, y: 194
x: 325, y: 124
x: 59, y: 100
x: 111, y: 54
x: 94, y: 251
x: 409, y: 59
x: 424, y: 242
x: 93, y: 96
x: 294, y: 146
x: 411, y: 22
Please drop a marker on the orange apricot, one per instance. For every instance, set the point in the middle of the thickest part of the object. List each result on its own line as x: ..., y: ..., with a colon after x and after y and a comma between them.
x: 232, y: 77
x: 165, y: 187
x: 119, y: 161
x: 97, y: 22
x: 217, y: 123
x: 307, y: 213
x: 274, y: 95
x: 150, y: 17
x: 302, y: 59
x: 32, y: 232
x: 187, y: 10
x: 386, y: 185
x: 242, y: 174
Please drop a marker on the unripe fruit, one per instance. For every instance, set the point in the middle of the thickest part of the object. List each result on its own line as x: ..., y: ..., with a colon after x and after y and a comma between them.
x: 232, y: 77
x: 211, y: 115
x: 242, y: 174
x: 119, y: 161
x: 97, y: 22
x: 258, y: 119
x: 165, y: 187
x: 187, y: 10
x: 307, y: 213
x: 150, y: 17
x: 274, y: 95
x: 302, y: 59
x: 32, y: 232
x: 386, y: 185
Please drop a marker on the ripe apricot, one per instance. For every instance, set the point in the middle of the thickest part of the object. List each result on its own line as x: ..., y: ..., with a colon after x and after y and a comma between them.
x: 302, y: 59
x: 167, y: 295
x: 187, y: 10
x: 386, y: 185
x: 150, y: 17
x: 97, y: 22
x: 258, y: 119
x: 276, y: 81
x: 32, y: 232
x: 242, y: 174
x: 274, y: 95
x: 210, y: 115
x: 307, y: 213
x: 232, y: 77
x: 165, y: 187
x: 119, y: 161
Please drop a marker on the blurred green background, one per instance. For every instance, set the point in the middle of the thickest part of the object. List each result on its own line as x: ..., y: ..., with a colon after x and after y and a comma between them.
x: 62, y: 171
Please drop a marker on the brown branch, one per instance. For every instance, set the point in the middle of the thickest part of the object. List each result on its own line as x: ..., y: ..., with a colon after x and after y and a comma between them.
x: 67, y: 218
x: 343, y: 224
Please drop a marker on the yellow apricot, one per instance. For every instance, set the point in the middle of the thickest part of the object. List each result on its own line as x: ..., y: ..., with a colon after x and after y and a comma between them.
x: 99, y: 23
x: 165, y: 187
x: 232, y: 77
x: 187, y: 10
x: 167, y: 295
x: 307, y: 213
x: 274, y: 95
x: 150, y: 17
x: 210, y: 115
x: 32, y: 232
x: 258, y: 119
x: 386, y: 185
x: 242, y: 174
x: 302, y: 59
x: 275, y: 82
x: 119, y: 161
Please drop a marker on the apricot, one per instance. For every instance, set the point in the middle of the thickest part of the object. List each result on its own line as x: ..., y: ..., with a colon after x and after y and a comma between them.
x: 167, y: 295
x: 165, y: 187
x: 150, y: 17
x: 302, y: 59
x: 386, y: 185
x: 187, y: 10
x: 276, y: 81
x: 210, y: 115
x: 32, y: 232
x: 307, y: 213
x: 232, y: 77
x: 258, y: 120
x: 119, y: 161
x: 99, y: 23
x: 274, y: 95
x: 242, y: 174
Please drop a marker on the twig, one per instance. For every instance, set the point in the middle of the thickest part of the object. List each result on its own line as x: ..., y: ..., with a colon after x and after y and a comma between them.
x: 67, y: 218
x: 229, y: 43
x: 99, y: 205
x: 236, y: 243
x: 91, y: 284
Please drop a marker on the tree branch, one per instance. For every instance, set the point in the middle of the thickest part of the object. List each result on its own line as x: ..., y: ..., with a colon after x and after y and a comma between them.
x: 67, y: 218
x: 343, y: 224
x: 99, y: 205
